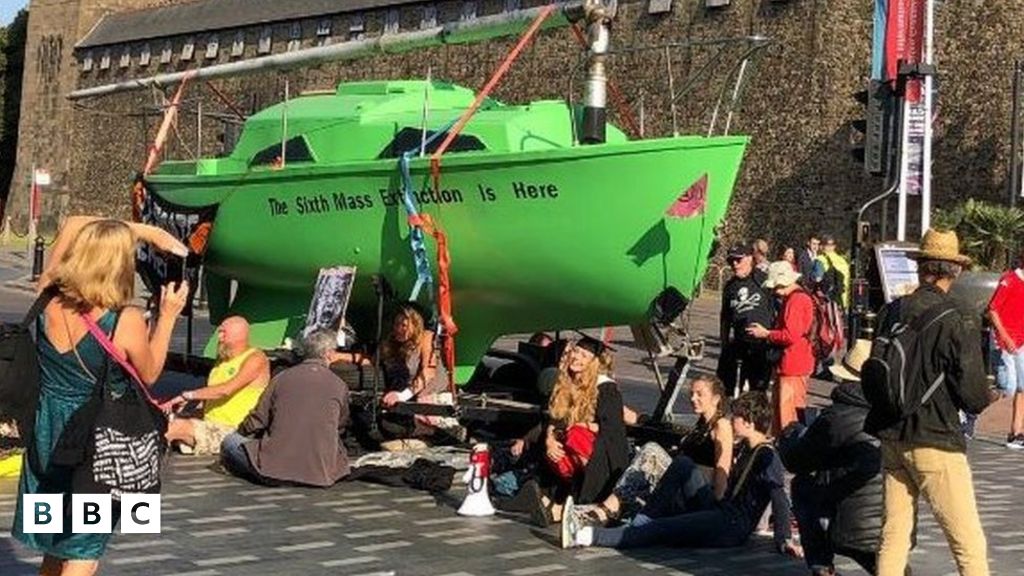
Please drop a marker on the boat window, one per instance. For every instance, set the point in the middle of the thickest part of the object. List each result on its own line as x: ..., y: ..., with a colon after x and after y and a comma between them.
x: 295, y: 150
x: 410, y: 138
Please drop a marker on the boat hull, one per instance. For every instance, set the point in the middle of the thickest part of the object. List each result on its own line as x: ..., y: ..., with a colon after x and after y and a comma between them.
x: 570, y: 238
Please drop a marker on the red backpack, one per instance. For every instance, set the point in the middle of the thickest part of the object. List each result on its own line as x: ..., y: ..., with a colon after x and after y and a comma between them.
x: 826, y: 334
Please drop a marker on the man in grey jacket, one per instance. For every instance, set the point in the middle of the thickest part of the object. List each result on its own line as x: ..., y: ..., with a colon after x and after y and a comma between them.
x: 293, y: 436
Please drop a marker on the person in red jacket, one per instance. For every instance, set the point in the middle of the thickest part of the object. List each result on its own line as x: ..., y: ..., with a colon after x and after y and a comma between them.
x: 792, y: 334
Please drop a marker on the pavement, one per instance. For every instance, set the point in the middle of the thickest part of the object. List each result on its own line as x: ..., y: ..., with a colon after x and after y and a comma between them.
x: 214, y: 524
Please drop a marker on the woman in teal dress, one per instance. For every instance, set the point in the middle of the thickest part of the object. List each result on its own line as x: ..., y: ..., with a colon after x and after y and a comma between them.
x: 92, y: 269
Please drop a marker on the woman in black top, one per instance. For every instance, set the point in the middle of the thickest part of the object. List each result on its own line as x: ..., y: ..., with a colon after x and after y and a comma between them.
x: 684, y: 512
x: 709, y: 445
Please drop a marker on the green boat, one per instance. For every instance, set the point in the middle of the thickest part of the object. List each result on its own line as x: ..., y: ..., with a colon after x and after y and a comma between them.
x: 544, y: 233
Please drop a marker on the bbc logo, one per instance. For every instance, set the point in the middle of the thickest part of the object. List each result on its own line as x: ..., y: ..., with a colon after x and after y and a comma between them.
x: 90, y: 514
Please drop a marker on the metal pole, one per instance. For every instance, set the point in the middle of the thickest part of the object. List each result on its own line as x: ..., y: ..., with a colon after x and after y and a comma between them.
x: 426, y: 111
x: 901, y: 205
x: 1015, y: 145
x: 482, y: 28
x: 199, y: 130
x: 929, y: 106
x: 284, y: 126
x: 31, y: 212
x: 735, y: 95
x: 671, y: 91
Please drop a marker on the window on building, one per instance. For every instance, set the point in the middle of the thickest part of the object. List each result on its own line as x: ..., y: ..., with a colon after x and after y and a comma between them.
x: 391, y: 22
x: 295, y: 150
x: 144, y: 55
x: 165, y: 53
x: 468, y: 10
x: 87, y: 62
x: 212, y: 48
x: 323, y: 32
x: 238, y: 45
x: 429, y: 19
x: 295, y: 37
x: 188, y: 50
x: 356, y: 27
x: 105, y: 60
x: 266, y: 40
x: 126, y: 58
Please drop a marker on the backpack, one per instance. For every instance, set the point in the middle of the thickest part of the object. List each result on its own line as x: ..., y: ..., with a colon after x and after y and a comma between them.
x: 826, y: 335
x: 892, y: 376
x: 19, y: 370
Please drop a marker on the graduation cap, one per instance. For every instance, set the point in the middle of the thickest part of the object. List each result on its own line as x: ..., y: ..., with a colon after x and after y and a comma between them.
x: 592, y: 345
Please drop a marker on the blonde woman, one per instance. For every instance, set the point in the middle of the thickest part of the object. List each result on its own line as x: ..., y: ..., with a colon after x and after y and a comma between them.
x: 585, y: 441
x: 91, y: 273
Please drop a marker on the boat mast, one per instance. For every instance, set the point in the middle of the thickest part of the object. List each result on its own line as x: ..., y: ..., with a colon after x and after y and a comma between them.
x: 478, y: 29
x: 598, y: 16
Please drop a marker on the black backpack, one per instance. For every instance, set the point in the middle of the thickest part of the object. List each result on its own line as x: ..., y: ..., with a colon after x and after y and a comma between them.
x: 19, y: 370
x: 893, y: 376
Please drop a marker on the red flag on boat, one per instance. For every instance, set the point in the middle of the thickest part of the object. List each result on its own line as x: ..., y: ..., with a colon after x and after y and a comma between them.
x: 693, y: 200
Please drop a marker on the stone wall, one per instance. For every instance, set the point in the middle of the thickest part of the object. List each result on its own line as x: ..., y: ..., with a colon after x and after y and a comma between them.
x: 798, y: 176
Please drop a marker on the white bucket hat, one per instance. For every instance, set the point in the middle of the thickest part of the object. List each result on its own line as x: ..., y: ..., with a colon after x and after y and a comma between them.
x: 781, y: 274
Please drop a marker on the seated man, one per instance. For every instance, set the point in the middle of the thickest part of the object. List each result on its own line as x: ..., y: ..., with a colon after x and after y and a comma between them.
x: 294, y: 434
x: 837, y: 491
x: 232, y: 390
x: 683, y: 511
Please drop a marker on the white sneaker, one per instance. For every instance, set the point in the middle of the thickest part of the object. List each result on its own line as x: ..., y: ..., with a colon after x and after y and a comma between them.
x: 1015, y: 443
x: 569, y: 525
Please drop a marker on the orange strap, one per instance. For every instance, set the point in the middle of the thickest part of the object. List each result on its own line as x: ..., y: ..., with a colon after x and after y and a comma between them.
x: 435, y: 158
x: 444, y: 292
x: 153, y: 154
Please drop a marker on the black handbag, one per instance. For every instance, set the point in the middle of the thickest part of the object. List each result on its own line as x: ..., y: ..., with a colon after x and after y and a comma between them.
x: 124, y: 450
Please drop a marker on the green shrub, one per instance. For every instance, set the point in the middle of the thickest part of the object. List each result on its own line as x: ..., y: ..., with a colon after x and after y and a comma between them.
x: 989, y: 233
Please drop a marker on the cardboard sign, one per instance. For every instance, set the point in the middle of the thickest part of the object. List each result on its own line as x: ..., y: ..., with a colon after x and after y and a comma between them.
x: 330, y: 299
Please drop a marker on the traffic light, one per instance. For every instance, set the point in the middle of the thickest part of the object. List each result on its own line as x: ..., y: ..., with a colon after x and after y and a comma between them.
x: 873, y: 148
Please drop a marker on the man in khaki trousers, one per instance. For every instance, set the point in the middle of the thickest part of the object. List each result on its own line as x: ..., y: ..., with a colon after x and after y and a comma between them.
x: 925, y: 453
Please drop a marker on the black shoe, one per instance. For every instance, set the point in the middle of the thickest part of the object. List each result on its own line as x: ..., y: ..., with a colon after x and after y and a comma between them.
x: 530, y: 500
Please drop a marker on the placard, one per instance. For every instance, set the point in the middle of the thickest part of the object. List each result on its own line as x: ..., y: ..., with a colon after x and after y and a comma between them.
x: 897, y: 269
x: 330, y: 299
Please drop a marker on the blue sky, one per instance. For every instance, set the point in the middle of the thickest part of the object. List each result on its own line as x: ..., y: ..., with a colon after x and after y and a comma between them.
x: 9, y: 9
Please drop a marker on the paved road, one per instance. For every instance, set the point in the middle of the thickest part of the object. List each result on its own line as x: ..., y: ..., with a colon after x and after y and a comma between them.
x: 218, y: 525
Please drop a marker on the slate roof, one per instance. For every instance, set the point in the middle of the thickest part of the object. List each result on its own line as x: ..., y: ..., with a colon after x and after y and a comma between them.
x: 210, y: 15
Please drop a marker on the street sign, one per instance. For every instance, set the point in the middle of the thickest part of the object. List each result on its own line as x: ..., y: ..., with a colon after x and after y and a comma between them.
x: 42, y: 177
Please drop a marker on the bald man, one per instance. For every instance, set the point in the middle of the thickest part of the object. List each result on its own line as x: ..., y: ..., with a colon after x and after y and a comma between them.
x: 232, y: 390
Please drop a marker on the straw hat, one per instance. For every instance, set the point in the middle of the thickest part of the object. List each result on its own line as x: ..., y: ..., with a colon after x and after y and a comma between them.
x: 781, y: 274
x: 849, y: 369
x: 942, y: 245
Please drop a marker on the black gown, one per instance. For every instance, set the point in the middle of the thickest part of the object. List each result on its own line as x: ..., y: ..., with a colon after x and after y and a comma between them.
x: 611, y: 449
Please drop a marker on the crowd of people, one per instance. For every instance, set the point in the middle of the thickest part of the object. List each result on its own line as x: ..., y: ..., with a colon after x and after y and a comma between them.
x: 856, y: 473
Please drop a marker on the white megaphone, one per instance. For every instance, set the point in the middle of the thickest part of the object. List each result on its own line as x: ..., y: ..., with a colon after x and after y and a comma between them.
x: 477, y: 502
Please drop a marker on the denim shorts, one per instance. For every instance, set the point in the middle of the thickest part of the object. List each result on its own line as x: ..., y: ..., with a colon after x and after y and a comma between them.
x: 1010, y: 372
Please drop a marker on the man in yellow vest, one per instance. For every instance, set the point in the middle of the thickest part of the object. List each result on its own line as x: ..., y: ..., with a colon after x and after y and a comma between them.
x: 828, y: 259
x: 232, y: 390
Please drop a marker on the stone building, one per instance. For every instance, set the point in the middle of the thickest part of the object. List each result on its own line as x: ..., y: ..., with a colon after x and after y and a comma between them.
x: 796, y: 105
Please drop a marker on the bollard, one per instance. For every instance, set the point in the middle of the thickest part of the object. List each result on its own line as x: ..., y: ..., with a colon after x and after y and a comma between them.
x: 37, y: 258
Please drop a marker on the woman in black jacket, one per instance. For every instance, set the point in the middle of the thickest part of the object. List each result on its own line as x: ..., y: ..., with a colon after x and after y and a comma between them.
x: 838, y: 471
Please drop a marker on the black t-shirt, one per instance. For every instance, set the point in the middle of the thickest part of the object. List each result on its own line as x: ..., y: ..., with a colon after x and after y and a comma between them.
x: 744, y: 302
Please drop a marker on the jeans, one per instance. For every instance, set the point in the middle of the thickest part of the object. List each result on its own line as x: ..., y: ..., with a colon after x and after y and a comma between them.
x: 944, y: 479
x: 1010, y: 372
x: 810, y: 507
x: 236, y: 460
x: 684, y: 513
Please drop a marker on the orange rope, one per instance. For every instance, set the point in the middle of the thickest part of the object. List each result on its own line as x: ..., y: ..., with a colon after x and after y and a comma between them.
x: 444, y: 288
x: 153, y: 154
x: 617, y: 99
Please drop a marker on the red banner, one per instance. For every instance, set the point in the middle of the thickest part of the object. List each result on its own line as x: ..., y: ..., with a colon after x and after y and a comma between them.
x: 904, y: 40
